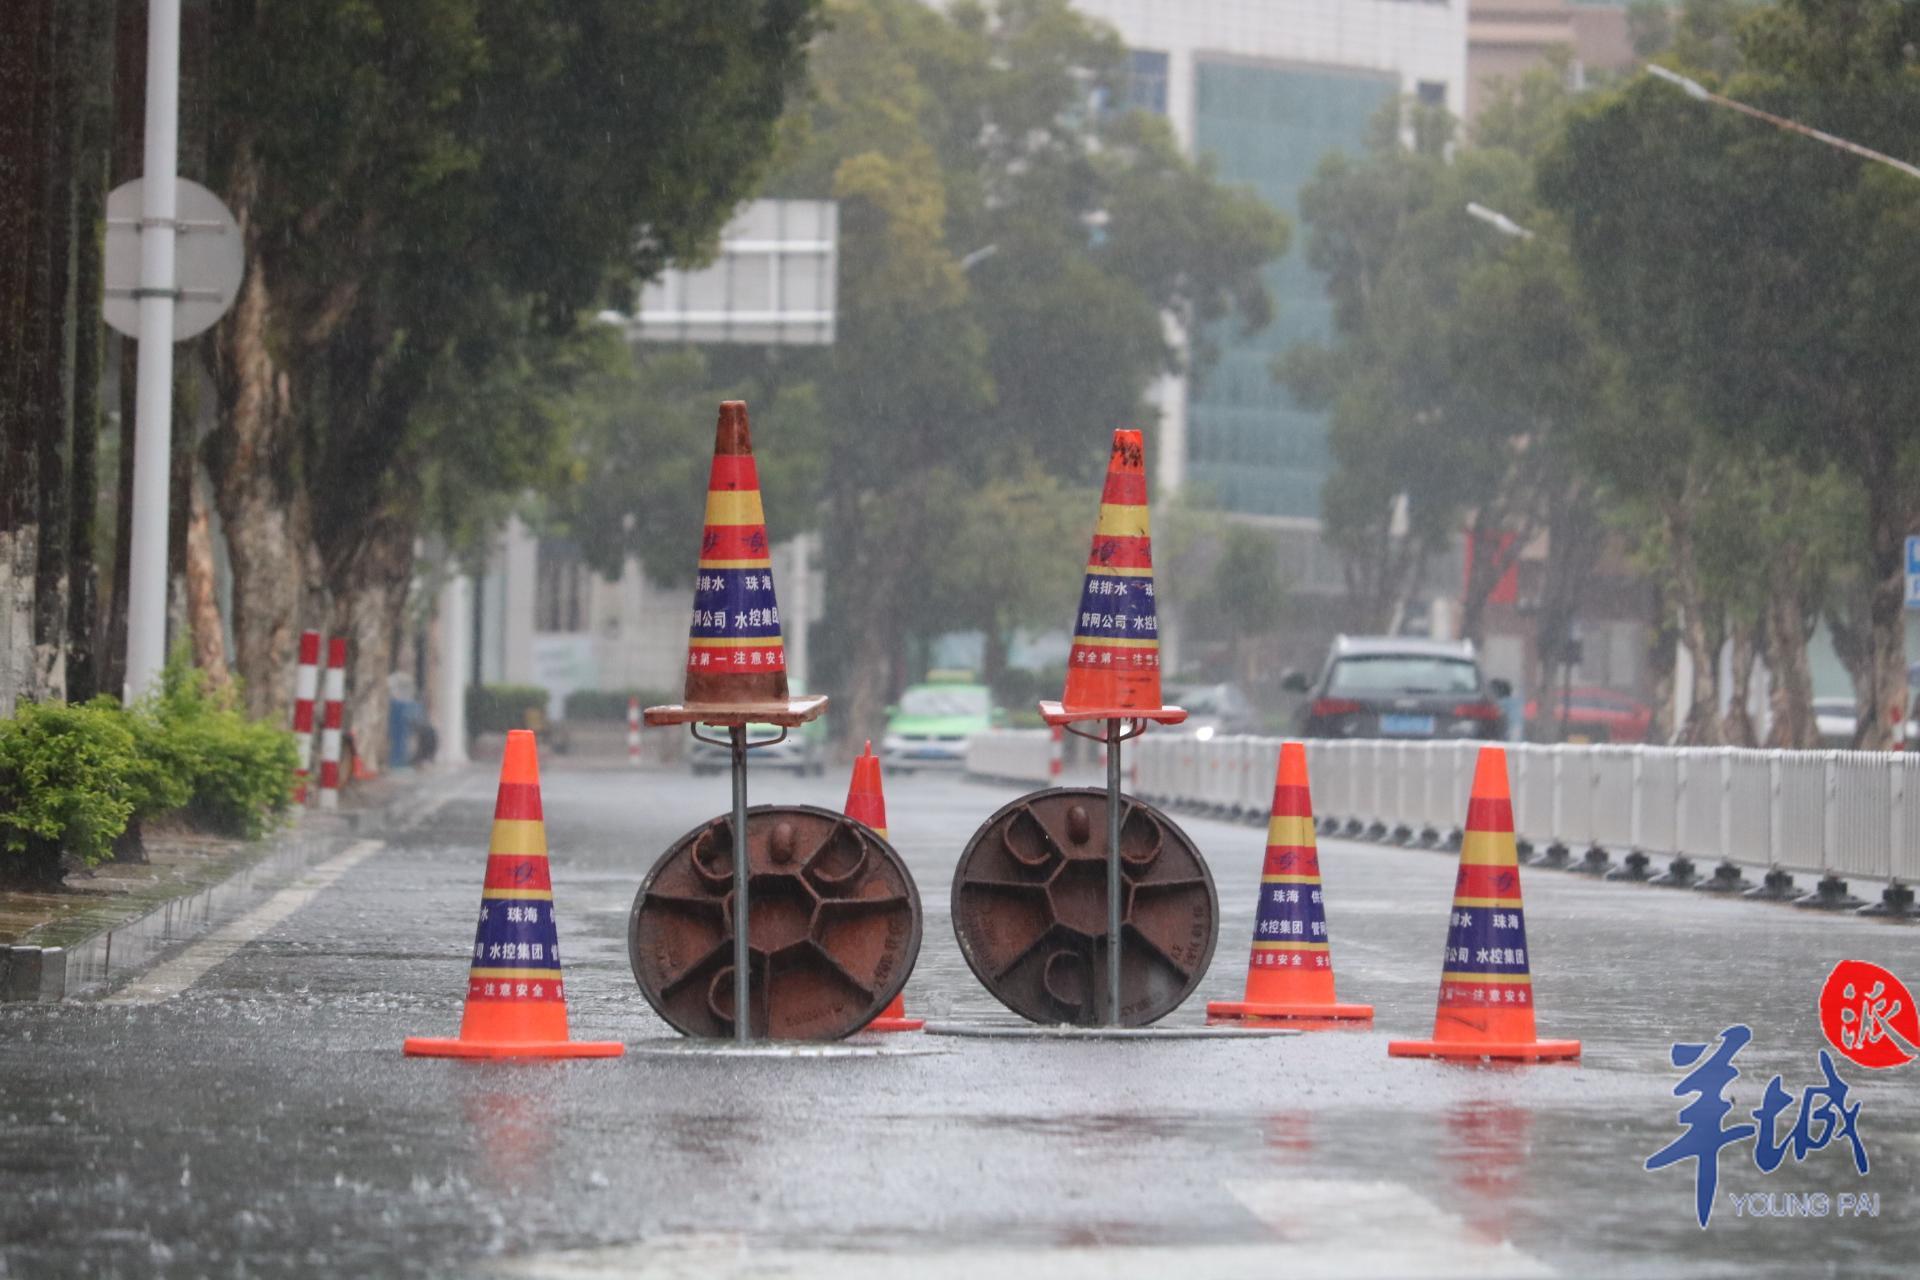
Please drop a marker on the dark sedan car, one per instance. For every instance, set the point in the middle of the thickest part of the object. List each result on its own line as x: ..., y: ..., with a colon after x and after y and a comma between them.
x: 1394, y: 687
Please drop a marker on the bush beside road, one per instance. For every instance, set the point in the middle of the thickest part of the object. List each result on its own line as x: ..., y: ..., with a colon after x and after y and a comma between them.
x: 78, y: 782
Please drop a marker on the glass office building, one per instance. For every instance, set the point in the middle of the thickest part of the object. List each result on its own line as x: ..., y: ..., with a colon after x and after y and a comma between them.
x: 1251, y: 448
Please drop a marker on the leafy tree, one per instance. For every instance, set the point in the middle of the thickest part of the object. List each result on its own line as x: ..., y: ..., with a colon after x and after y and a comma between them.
x: 1244, y: 593
x: 1767, y: 279
x: 427, y: 191
x: 634, y: 478
x: 946, y: 136
x: 1463, y: 362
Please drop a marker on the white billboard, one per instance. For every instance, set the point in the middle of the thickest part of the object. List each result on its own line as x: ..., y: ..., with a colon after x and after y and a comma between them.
x: 773, y: 283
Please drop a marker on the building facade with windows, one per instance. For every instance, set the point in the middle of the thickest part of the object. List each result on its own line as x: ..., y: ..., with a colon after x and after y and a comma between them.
x: 1267, y: 88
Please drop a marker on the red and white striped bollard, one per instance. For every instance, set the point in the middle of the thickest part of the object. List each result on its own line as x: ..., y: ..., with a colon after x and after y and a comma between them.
x: 306, y: 681
x: 336, y: 692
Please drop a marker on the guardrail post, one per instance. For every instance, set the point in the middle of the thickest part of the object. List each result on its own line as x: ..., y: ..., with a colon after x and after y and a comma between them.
x: 1897, y: 898
x: 1637, y: 860
x: 1555, y: 854
x: 1830, y: 892
x: 1777, y: 885
x: 1595, y: 862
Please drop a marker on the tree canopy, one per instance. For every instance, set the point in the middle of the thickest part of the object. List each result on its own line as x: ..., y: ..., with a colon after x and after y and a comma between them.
x: 1010, y: 242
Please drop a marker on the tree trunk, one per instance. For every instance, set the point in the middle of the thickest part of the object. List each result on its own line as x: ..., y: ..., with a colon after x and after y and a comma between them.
x: 180, y: 476
x: 1885, y: 700
x: 204, y: 626
x: 90, y: 195
x: 129, y: 99
x: 1701, y: 636
x: 250, y: 457
x: 868, y: 591
x: 1791, y: 696
x: 993, y: 652
x: 1663, y: 646
x: 56, y: 374
x: 368, y: 608
x: 113, y: 659
x: 23, y: 190
x: 19, y: 27
x: 1738, y: 725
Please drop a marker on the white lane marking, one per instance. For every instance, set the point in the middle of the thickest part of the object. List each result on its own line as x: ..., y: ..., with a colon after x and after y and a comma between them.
x: 1344, y: 1230
x: 433, y: 809
x: 169, y: 979
x: 1356, y: 1228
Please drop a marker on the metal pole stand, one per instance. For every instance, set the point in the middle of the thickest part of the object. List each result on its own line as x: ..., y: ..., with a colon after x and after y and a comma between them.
x: 737, y: 747
x: 1115, y: 735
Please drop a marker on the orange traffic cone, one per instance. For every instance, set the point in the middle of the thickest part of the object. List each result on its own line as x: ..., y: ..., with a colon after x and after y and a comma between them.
x: 1486, y: 989
x: 1113, y: 669
x: 516, y: 1003
x: 736, y: 656
x: 735, y: 651
x: 1290, y: 975
x: 866, y: 802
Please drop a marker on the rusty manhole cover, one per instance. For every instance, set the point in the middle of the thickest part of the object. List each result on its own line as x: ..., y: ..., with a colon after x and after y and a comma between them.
x: 835, y: 926
x: 1030, y: 909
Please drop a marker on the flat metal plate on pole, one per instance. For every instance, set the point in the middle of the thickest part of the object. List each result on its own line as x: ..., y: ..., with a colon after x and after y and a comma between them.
x: 209, y: 260
x: 1913, y: 571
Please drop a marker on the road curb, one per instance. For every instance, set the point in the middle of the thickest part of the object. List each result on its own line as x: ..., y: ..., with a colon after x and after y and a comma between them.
x: 33, y: 973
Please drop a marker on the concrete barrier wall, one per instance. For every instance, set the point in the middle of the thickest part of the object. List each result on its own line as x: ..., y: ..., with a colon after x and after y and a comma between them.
x: 1014, y: 755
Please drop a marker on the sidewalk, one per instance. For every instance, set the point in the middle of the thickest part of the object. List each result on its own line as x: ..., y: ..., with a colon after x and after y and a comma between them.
x: 117, y: 917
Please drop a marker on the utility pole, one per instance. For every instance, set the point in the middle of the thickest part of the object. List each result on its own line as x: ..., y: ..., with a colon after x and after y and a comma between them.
x: 153, y: 405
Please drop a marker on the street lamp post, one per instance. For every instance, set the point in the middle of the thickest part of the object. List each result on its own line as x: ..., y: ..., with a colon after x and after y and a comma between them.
x: 1700, y: 93
x: 1498, y: 221
x: 153, y: 396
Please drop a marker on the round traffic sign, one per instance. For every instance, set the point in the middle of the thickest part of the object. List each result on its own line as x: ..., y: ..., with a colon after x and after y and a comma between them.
x: 209, y: 260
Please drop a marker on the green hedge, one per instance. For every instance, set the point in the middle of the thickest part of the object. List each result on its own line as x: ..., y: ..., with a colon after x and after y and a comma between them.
x: 611, y: 704
x: 241, y: 770
x: 496, y: 708
x: 68, y: 783
x: 72, y: 778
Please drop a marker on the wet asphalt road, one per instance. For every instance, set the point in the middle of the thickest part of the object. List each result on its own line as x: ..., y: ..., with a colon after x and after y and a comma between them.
x: 263, y: 1122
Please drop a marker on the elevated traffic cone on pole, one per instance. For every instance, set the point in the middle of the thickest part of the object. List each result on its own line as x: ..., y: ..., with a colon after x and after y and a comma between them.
x: 1486, y: 985
x: 735, y: 652
x: 736, y: 655
x: 1113, y: 669
x: 866, y: 802
x: 1290, y: 974
x: 516, y: 1002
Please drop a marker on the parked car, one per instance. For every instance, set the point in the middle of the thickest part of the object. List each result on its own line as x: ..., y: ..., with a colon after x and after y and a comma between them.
x: 1593, y: 714
x: 804, y: 750
x: 1400, y: 687
x: 930, y: 727
x: 1213, y: 709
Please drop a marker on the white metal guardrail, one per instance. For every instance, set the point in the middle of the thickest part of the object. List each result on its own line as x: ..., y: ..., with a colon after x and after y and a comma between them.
x: 1015, y: 755
x: 1845, y: 814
